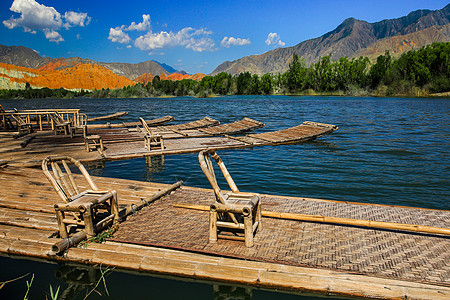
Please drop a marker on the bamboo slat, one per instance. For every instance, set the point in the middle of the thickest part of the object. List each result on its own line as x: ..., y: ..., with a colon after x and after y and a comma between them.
x: 113, y: 116
x: 334, y: 220
x: 246, y: 124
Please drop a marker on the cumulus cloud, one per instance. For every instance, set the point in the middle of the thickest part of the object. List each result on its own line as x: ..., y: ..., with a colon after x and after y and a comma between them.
x: 231, y: 41
x: 116, y: 35
x: 53, y: 36
x: 76, y: 19
x: 188, y: 37
x: 194, y: 39
x: 274, y: 39
x: 143, y: 26
x: 38, y: 17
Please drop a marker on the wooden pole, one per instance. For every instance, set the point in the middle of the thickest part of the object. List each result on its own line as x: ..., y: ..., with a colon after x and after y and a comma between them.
x: 334, y: 220
x: 133, y: 207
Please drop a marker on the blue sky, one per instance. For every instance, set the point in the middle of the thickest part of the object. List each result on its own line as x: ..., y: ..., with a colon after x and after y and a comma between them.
x: 195, y: 36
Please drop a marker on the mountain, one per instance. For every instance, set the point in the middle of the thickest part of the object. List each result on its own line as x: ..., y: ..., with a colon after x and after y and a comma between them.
x: 351, y: 38
x: 21, y: 56
x: 28, y: 58
x: 80, y: 76
x: 166, y: 67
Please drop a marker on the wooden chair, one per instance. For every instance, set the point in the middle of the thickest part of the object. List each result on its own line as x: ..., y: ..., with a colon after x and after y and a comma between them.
x: 91, y: 208
x: 152, y: 141
x: 79, y: 123
x: 23, y: 126
x: 234, y: 211
x: 60, y: 126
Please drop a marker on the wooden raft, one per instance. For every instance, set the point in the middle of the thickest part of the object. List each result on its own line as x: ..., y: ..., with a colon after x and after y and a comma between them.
x: 27, y: 230
x: 205, y: 122
x: 153, y: 122
x: 244, y: 125
x: 113, y: 116
x: 375, y: 252
x: 125, y: 144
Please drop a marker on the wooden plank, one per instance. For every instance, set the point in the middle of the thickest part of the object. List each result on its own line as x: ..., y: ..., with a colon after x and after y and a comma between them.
x: 113, y: 116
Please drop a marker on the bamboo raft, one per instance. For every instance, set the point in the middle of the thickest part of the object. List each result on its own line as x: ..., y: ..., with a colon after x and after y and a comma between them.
x: 153, y: 122
x: 125, y: 144
x: 113, y: 116
x: 166, y: 237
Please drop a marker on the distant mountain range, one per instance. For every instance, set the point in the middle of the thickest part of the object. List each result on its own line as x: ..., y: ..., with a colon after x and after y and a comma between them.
x: 353, y: 38
x: 20, y: 65
x: 28, y: 58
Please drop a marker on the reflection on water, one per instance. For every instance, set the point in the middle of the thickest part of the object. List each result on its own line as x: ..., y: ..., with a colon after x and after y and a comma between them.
x: 155, y: 164
x: 81, y: 280
x: 224, y: 292
x: 76, y: 281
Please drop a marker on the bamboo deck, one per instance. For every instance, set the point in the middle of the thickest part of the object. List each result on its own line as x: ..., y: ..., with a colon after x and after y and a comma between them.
x: 124, y: 143
x: 287, y: 254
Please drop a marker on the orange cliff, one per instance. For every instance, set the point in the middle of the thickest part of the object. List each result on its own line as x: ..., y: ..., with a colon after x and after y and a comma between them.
x: 80, y: 76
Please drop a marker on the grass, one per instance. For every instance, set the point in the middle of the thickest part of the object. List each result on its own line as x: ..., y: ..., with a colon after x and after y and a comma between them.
x: 99, y: 238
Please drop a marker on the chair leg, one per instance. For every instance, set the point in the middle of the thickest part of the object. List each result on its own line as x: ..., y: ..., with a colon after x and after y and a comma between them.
x: 212, y: 226
x: 248, y: 230
x: 115, y: 207
x: 259, y: 216
x: 62, y: 227
x: 88, y: 221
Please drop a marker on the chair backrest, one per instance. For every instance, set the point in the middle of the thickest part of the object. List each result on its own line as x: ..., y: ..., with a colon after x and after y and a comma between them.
x: 79, y: 120
x: 145, y: 126
x: 18, y: 119
x: 204, y: 158
x: 58, y: 119
x: 61, y: 177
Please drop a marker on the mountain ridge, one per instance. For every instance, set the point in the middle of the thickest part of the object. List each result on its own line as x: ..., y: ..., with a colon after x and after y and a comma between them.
x: 347, y: 39
x: 25, y: 57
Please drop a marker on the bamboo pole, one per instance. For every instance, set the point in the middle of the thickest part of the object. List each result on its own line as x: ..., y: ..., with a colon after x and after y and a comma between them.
x: 133, y: 207
x: 334, y: 220
x: 66, y: 243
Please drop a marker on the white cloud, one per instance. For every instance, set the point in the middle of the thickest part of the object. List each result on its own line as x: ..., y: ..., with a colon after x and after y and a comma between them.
x: 76, y: 19
x: 274, y: 39
x: 35, y: 16
x: 189, y: 38
x: 53, y: 36
x: 143, y: 26
x: 231, y: 41
x: 116, y: 35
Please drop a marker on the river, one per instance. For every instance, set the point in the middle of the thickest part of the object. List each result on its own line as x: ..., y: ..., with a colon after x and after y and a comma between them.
x: 387, y: 150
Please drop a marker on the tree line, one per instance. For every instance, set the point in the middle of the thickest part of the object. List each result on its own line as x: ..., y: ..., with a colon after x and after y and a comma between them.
x: 414, y: 73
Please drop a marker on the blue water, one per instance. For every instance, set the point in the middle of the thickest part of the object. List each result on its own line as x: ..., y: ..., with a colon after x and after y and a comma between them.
x: 387, y: 150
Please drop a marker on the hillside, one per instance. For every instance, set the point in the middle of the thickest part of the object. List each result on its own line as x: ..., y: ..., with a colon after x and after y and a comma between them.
x: 403, y: 43
x: 80, y: 76
x: 350, y: 39
x: 26, y: 57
